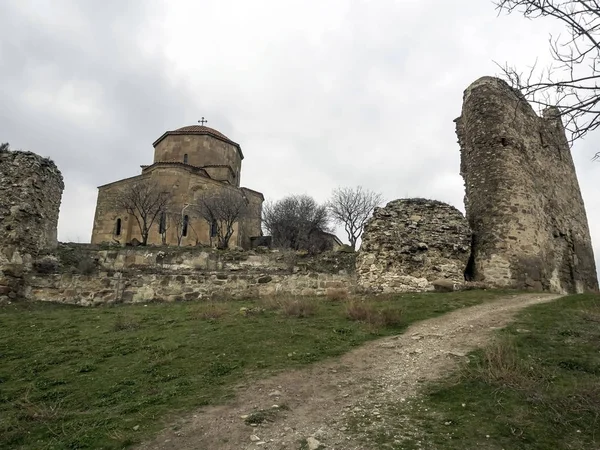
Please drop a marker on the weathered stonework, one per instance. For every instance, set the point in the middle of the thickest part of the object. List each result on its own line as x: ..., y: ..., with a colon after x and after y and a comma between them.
x: 522, y: 198
x: 150, y: 274
x: 30, y: 194
x: 139, y: 287
x: 412, y: 243
x: 189, y: 162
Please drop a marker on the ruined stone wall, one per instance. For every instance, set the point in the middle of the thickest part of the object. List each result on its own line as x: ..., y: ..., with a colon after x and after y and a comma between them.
x: 87, y: 276
x: 411, y: 244
x: 30, y: 194
x: 137, y: 287
x: 522, y: 198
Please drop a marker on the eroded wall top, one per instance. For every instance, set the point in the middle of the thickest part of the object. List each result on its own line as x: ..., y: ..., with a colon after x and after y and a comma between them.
x: 30, y: 194
x: 411, y: 243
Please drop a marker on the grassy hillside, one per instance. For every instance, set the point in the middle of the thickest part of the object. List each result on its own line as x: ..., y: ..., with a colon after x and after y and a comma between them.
x: 536, y: 387
x: 108, y: 377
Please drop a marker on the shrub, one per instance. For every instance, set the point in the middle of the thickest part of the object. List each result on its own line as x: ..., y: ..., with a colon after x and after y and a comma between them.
x: 336, y: 294
x: 387, y: 317
x: 270, y: 303
x: 299, y: 307
x: 210, y: 311
x: 500, y: 364
x: 369, y: 313
x: 357, y: 311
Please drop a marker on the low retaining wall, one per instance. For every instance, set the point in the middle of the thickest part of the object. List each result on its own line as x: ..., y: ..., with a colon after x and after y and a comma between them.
x: 124, y: 287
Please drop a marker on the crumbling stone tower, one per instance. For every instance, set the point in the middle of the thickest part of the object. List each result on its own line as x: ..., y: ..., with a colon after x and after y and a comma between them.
x: 522, y: 201
x: 30, y: 193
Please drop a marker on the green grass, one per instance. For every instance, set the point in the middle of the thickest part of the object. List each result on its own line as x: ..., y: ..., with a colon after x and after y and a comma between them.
x: 75, y: 378
x: 537, y: 386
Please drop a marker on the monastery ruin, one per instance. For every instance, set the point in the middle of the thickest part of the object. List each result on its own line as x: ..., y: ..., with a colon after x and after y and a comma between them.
x: 525, y: 224
x: 188, y: 163
x: 527, y: 220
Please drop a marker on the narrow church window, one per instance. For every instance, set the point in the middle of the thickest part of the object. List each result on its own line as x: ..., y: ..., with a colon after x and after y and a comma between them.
x: 184, y: 226
x: 162, y: 224
x: 118, y: 228
x: 213, y: 228
x: 185, y: 159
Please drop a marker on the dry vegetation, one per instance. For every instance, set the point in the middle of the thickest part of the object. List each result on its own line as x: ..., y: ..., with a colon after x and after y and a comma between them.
x: 373, y: 314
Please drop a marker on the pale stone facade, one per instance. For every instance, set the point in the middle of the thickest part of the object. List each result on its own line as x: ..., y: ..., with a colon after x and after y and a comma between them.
x: 188, y: 162
x: 522, y: 199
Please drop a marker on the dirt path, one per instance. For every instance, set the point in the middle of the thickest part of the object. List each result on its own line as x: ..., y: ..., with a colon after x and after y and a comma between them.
x: 325, y: 396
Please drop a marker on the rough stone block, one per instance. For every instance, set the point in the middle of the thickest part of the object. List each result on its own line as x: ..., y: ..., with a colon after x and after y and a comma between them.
x: 410, y: 243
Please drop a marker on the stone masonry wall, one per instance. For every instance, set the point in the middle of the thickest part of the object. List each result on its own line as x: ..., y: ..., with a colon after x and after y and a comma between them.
x: 30, y: 195
x: 412, y: 243
x: 137, y: 287
x: 522, y: 198
x: 87, y: 276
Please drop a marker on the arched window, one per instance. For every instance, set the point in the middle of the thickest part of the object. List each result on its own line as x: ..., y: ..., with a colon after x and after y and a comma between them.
x: 213, y: 228
x: 162, y: 223
x: 118, y: 228
x: 185, y: 158
x: 184, y: 227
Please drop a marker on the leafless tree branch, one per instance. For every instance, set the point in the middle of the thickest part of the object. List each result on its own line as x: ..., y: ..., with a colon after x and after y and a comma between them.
x: 222, y: 210
x: 352, y: 207
x: 145, y: 200
x: 296, y: 222
x: 572, y: 84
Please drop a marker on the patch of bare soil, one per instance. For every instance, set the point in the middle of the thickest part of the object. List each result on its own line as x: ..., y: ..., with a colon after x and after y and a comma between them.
x: 312, y: 408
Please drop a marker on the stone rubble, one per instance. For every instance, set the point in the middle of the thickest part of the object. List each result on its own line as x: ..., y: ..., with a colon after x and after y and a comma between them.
x: 410, y: 244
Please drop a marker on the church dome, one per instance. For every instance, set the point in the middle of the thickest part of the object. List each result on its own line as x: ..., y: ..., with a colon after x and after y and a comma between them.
x: 200, y: 130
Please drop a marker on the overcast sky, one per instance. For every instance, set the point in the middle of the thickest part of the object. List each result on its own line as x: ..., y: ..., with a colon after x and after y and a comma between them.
x: 319, y: 94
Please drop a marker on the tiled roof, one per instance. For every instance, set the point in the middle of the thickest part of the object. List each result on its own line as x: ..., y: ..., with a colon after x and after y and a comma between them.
x: 200, y: 130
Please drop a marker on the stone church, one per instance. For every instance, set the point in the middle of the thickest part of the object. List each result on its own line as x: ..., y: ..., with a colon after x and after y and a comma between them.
x: 188, y: 162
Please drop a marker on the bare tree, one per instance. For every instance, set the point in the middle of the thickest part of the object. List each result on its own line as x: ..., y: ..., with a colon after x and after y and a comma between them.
x: 352, y: 207
x: 296, y: 222
x: 163, y: 226
x: 221, y: 210
x: 4, y: 147
x: 145, y: 200
x: 172, y: 218
x: 571, y: 82
x: 176, y: 219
